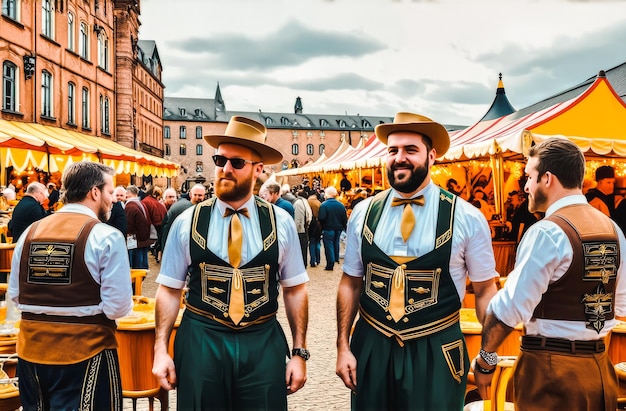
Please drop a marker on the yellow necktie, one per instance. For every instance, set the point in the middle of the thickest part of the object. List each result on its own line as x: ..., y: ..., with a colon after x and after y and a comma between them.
x: 236, y: 304
x: 407, y: 223
x: 396, y: 296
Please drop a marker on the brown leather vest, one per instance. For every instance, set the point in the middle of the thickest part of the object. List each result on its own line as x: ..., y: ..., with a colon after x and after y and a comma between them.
x: 586, y: 291
x: 53, y: 273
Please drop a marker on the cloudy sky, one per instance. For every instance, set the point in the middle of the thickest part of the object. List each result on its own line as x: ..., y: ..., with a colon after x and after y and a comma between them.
x: 440, y: 58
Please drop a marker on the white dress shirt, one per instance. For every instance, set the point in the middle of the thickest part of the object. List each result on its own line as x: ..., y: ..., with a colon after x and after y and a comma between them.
x: 177, y: 255
x: 543, y: 256
x: 106, y: 258
x: 472, y: 252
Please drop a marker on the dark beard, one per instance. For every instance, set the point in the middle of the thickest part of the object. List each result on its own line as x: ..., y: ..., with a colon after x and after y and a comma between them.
x: 417, y: 176
x: 239, y: 191
x: 103, y: 214
x: 537, y: 202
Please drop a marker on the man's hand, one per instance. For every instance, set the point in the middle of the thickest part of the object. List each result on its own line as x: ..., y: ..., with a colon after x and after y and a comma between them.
x: 346, y: 368
x: 483, y: 382
x: 296, y: 374
x: 164, y: 371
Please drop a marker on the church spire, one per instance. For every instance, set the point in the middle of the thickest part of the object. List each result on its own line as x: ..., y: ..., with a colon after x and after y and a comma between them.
x: 501, y: 105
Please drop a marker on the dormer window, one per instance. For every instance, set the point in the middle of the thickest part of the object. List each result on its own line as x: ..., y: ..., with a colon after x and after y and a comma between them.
x: 183, y: 112
x: 365, y: 124
x: 268, y: 121
x: 285, y: 121
x: 342, y: 123
x: 324, y: 123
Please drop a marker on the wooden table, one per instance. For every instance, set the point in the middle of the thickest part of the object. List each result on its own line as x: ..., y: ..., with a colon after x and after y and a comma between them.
x: 136, y: 355
x: 472, y: 331
x: 617, y: 343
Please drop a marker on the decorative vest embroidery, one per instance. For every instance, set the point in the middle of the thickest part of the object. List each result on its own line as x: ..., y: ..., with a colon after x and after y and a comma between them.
x: 431, y: 300
x: 210, y: 276
x: 586, y: 291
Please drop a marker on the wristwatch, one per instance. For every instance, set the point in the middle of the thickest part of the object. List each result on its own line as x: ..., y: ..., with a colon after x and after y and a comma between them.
x: 491, y: 358
x: 301, y: 352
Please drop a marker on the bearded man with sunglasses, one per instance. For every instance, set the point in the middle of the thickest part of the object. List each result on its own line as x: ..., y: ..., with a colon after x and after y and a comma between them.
x: 233, y: 251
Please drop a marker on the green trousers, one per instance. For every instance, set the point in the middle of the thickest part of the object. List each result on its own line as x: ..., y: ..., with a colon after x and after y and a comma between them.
x: 426, y: 374
x: 223, y: 369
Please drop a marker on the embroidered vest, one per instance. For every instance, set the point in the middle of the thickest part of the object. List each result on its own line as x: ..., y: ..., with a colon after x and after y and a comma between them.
x: 431, y: 300
x: 586, y: 291
x: 210, y: 276
x: 53, y: 273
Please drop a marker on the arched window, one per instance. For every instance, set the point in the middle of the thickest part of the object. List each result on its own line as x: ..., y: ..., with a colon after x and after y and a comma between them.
x: 199, y: 132
x: 71, y: 32
x: 85, y: 108
x: 295, y: 149
x: 104, y: 115
x: 309, y: 149
x: 46, y: 94
x: 199, y: 149
x: 183, y: 132
x: 103, y: 50
x: 83, y: 41
x: 71, y: 103
x: 47, y: 19
x: 322, y: 148
x: 11, y: 9
x: 9, y: 86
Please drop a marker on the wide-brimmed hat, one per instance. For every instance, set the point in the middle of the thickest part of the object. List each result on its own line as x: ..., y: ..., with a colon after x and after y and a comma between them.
x: 248, y: 133
x: 416, y: 123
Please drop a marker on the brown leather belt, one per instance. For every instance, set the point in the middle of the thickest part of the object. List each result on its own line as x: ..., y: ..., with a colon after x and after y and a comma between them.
x: 533, y: 343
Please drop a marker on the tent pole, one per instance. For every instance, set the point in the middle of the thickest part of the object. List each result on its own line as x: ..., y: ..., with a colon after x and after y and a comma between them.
x: 498, y: 182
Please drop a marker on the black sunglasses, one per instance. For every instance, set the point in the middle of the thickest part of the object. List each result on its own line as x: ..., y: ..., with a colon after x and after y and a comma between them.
x: 237, y: 163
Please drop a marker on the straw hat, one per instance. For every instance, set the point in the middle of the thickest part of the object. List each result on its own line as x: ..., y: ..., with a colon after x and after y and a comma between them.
x: 248, y: 133
x: 416, y: 123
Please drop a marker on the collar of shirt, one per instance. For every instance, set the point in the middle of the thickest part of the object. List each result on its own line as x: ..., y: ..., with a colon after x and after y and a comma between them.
x: 427, y: 191
x: 77, y: 208
x: 566, y: 201
x: 222, y: 206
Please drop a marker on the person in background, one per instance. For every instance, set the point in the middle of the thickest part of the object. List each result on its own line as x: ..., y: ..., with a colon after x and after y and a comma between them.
x: 66, y: 345
x: 567, y: 288
x: 118, y: 215
x: 169, y: 198
x: 9, y: 193
x: 196, y: 194
x: 233, y: 289
x: 270, y: 191
x: 156, y: 212
x: 315, y: 230
x: 139, y: 227
x: 28, y: 210
x: 286, y: 194
x: 602, y: 196
x: 345, y: 185
x: 302, y: 218
x: 333, y: 218
x: 409, y: 252
x: 53, y: 197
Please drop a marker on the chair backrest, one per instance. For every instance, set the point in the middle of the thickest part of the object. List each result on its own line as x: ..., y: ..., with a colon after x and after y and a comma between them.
x: 137, y: 276
x: 500, y: 384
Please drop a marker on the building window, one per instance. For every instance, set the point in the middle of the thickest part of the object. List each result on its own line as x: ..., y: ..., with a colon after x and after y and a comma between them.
x: 104, y: 115
x: 183, y: 132
x: 324, y: 123
x: 199, y: 132
x: 199, y: 167
x: 47, y: 18
x: 85, y: 107
x: 10, y: 8
x: 285, y: 121
x: 365, y: 124
x: 295, y: 149
x: 103, y: 50
x: 199, y: 149
x: 183, y: 150
x: 268, y: 121
x: 71, y: 32
x: 71, y: 103
x: 168, y: 150
x: 322, y: 148
x: 342, y: 123
x: 166, y: 132
x: 310, y: 149
x: 46, y: 94
x: 9, y: 86
x: 83, y: 41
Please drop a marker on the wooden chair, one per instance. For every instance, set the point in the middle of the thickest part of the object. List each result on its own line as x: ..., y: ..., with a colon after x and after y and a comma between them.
x: 6, y: 255
x: 137, y: 275
x: 620, y: 371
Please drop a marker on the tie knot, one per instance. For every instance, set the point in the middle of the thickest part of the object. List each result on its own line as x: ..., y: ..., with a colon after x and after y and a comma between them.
x: 242, y: 211
x: 419, y: 200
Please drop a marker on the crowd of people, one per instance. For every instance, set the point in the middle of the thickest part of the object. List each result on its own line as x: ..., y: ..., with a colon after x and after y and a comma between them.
x: 409, y: 252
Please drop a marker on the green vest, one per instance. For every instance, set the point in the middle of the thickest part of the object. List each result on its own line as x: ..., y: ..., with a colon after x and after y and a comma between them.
x: 431, y: 300
x: 210, y: 276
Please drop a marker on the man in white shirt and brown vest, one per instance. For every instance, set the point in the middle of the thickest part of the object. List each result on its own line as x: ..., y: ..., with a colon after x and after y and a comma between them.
x: 567, y: 287
x: 405, y: 271
x: 70, y: 279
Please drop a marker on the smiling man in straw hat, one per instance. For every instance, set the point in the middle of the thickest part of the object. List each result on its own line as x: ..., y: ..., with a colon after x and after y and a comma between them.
x: 408, y: 253
x: 230, y: 350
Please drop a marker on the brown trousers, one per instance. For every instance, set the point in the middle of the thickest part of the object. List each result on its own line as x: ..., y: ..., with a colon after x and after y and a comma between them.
x: 548, y: 380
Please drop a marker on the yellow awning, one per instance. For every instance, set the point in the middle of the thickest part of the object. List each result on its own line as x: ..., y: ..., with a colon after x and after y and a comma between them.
x: 24, y: 145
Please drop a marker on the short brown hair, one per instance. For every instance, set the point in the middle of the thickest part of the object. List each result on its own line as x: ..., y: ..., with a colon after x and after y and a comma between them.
x: 562, y: 158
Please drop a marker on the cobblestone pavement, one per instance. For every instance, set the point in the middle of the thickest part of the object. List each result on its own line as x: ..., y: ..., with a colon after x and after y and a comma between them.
x: 323, y: 390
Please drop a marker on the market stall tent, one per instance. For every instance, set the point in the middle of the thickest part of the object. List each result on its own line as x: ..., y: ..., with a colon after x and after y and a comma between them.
x: 52, y: 149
